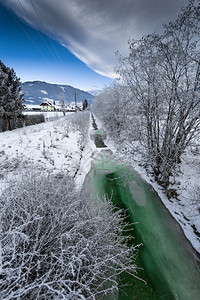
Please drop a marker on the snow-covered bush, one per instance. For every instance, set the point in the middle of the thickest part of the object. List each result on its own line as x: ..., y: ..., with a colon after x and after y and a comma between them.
x: 110, y: 107
x: 80, y: 122
x: 193, y: 202
x: 59, y: 244
x: 27, y: 120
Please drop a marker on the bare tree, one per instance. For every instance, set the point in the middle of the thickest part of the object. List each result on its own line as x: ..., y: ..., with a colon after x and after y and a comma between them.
x: 163, y: 72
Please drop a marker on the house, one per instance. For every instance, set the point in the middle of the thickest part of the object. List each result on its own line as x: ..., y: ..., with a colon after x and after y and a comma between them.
x: 47, y: 107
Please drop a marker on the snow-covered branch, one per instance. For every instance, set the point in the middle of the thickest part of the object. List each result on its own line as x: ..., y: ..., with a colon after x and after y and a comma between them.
x: 60, y: 244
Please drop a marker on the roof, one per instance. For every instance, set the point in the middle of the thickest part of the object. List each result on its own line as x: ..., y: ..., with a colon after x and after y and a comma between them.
x: 32, y: 106
x: 46, y: 104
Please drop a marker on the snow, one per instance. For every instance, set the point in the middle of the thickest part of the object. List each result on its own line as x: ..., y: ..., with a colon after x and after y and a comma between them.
x: 56, y: 147
x: 32, y: 106
x: 49, y: 116
x: 44, y: 92
x: 77, y: 221
x: 86, y: 161
x: 62, y: 88
x: 53, y: 146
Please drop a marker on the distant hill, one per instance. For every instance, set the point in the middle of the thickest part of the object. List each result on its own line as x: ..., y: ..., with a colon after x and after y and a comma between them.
x: 95, y: 92
x: 36, y: 92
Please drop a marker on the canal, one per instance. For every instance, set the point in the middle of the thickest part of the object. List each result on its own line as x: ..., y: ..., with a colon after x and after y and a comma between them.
x: 168, y: 263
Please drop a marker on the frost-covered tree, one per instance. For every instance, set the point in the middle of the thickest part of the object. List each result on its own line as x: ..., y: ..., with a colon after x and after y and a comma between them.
x: 118, y: 114
x: 112, y: 106
x: 56, y: 243
x: 11, y: 98
x: 163, y: 74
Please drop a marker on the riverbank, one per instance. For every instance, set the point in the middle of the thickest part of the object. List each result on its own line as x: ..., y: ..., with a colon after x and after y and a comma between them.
x: 184, y: 209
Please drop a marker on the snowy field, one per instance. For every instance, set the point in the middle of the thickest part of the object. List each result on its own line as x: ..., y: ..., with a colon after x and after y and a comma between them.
x: 63, y: 145
x: 53, y: 147
x: 49, y: 116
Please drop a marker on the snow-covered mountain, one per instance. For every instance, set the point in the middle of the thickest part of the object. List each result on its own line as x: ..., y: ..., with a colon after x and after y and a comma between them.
x: 36, y: 92
x: 95, y: 92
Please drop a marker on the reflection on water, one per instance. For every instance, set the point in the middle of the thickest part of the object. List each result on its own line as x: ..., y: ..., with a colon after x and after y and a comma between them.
x: 137, y: 193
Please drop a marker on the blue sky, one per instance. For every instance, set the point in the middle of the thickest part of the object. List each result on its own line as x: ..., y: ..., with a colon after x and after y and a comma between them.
x: 85, y: 33
x: 42, y: 58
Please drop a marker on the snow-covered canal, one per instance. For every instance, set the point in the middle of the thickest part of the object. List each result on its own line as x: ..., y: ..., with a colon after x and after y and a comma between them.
x: 169, y: 261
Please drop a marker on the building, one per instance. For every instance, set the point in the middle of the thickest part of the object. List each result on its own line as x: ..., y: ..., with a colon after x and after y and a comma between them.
x: 47, y: 107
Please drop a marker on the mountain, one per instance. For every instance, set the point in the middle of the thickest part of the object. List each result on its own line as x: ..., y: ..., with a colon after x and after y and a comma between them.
x: 95, y: 92
x: 36, y: 92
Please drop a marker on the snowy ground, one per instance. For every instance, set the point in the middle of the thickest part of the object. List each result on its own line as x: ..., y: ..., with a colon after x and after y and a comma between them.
x: 64, y: 145
x: 49, y: 116
x: 56, y: 147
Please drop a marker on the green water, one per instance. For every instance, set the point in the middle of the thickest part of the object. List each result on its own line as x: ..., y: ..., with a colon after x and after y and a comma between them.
x: 168, y: 260
x: 98, y: 136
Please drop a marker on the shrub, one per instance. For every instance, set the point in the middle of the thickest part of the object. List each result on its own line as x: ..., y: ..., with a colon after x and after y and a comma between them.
x: 59, y: 244
x: 28, y: 120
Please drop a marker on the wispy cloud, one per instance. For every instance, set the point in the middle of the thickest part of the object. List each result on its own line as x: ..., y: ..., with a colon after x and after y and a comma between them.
x: 94, y: 30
